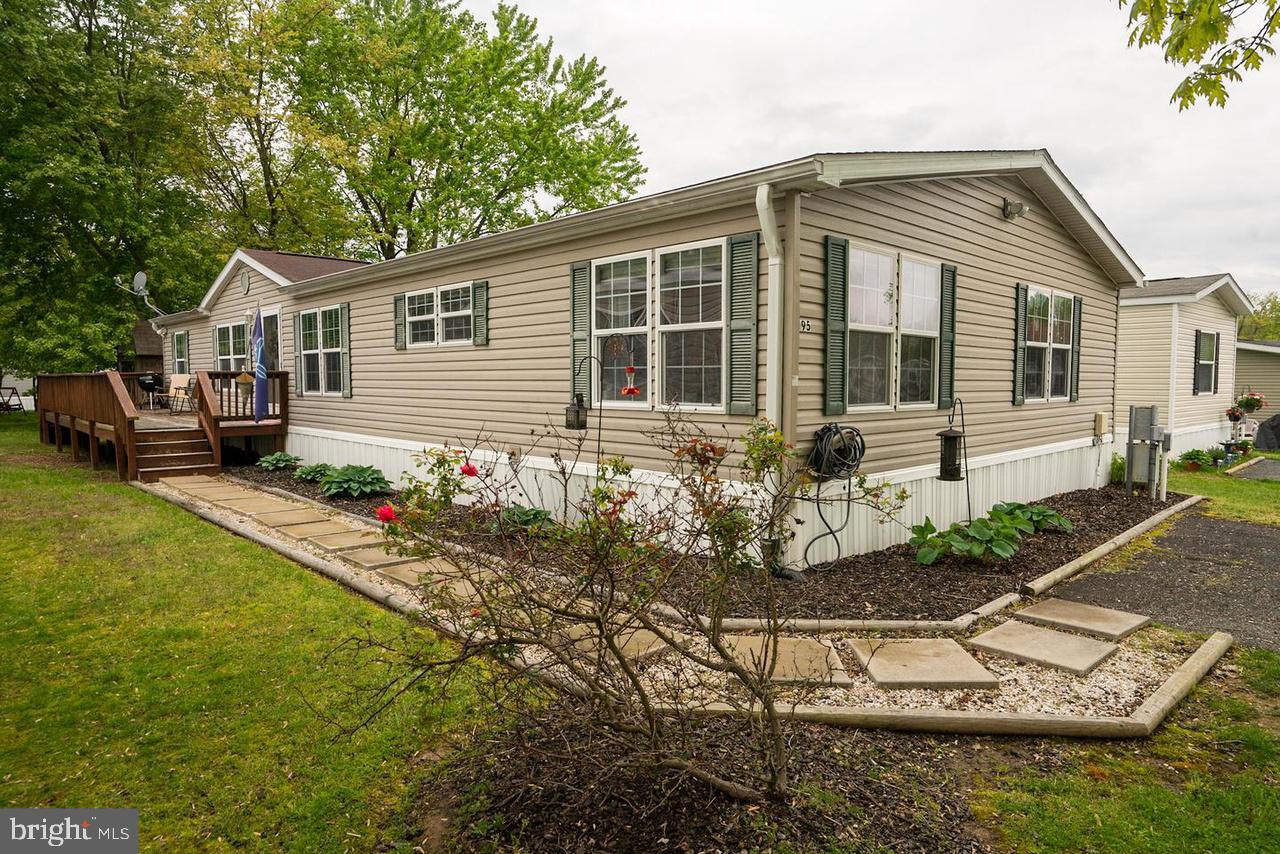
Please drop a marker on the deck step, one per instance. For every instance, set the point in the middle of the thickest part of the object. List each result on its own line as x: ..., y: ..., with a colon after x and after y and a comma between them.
x: 151, y: 475
x: 171, y: 446
x: 167, y: 434
x: 185, y: 458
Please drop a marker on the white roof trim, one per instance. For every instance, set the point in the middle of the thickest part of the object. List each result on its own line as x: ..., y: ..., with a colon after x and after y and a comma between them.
x: 1258, y: 348
x: 812, y: 174
x: 1235, y: 296
x: 237, y: 257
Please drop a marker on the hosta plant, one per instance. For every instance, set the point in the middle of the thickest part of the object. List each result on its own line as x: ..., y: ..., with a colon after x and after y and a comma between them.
x: 279, y: 461
x: 998, y: 534
x: 313, y: 473
x: 354, y: 482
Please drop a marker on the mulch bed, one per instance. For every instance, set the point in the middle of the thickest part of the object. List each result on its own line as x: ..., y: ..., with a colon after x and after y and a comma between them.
x: 284, y: 480
x: 555, y: 788
x: 890, y: 585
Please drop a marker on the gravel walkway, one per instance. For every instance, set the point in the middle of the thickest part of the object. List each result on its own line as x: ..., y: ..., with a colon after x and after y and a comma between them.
x: 1265, y: 470
x: 1206, y: 574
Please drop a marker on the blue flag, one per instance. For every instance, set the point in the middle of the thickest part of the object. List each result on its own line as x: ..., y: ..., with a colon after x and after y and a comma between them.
x: 259, y: 348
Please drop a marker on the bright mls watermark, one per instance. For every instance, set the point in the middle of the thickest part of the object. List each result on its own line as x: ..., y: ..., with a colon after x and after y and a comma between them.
x: 107, y: 831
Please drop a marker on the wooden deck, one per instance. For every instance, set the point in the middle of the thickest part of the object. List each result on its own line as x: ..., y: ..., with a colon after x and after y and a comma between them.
x: 90, y: 413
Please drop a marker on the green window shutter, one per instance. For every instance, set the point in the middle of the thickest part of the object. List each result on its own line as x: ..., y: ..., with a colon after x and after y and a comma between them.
x: 398, y: 312
x: 744, y: 285
x: 1217, y: 352
x: 1076, y: 326
x: 580, y: 329
x: 947, y: 339
x: 1195, y: 365
x: 835, y: 370
x: 1020, y: 346
x: 480, y: 313
x: 344, y: 326
x: 297, y: 352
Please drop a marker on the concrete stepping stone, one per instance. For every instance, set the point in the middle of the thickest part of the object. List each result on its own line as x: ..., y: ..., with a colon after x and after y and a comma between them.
x: 1106, y: 623
x: 932, y: 663
x: 310, y: 530
x: 636, y: 643
x: 347, y: 539
x: 799, y: 659
x: 218, y: 493
x: 290, y: 517
x: 1046, y: 647
x: 375, y: 558
x: 189, y: 479
x: 257, y: 506
x: 409, y: 574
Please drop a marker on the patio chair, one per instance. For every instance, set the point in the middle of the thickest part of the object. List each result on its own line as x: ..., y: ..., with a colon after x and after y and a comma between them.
x: 181, y: 388
x: 10, y: 400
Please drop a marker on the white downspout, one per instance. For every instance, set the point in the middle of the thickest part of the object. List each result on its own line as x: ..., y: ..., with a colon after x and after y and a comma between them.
x: 773, y: 332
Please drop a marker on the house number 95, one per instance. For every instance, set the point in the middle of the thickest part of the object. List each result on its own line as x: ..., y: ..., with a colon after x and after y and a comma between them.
x: 806, y: 325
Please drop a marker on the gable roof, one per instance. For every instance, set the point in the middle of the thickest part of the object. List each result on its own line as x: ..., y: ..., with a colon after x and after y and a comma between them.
x: 1260, y: 346
x: 1191, y: 289
x: 813, y: 173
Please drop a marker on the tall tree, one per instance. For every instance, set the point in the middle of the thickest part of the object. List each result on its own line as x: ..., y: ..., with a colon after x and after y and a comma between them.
x: 442, y: 130
x: 1222, y: 39
x: 1264, y: 323
x: 90, y: 117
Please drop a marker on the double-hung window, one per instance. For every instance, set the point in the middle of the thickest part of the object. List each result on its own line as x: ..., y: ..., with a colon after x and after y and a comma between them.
x: 894, y: 322
x: 1206, y: 362
x: 440, y: 315
x: 180, y: 352
x: 620, y: 304
x: 321, y: 349
x: 691, y: 297
x: 1050, y: 324
x: 232, y: 346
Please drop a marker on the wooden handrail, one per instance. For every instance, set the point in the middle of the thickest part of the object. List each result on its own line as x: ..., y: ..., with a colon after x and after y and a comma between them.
x: 208, y: 412
x: 97, y: 398
x: 123, y: 399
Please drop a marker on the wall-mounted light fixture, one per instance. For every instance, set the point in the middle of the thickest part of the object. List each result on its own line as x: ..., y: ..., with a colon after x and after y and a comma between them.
x: 1014, y: 209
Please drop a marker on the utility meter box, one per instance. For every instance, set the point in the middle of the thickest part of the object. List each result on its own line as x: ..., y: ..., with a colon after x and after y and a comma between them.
x: 1148, y: 444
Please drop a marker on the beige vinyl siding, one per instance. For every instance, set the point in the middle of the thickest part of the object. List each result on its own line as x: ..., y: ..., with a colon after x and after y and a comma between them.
x: 1143, y: 365
x: 1194, y: 410
x: 959, y: 221
x: 1257, y: 371
x: 510, y: 390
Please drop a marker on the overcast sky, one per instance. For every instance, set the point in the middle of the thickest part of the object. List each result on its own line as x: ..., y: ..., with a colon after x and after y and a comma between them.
x: 718, y: 87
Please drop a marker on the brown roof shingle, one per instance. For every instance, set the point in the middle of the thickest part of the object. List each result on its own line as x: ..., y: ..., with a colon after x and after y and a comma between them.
x: 297, y: 267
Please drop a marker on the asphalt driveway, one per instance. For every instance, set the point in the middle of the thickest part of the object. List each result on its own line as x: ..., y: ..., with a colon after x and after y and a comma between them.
x: 1205, y: 574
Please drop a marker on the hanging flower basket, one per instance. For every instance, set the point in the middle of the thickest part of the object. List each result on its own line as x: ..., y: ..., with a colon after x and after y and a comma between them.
x: 244, y: 383
x: 1251, y: 401
x: 1235, y: 415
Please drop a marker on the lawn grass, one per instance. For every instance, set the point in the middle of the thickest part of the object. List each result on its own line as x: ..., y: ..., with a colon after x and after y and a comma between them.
x: 1209, y: 780
x: 1233, y: 497
x: 152, y: 660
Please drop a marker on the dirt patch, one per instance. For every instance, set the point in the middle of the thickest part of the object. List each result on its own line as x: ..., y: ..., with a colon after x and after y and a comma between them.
x: 284, y: 480
x: 1204, y: 574
x: 890, y: 585
x: 547, y: 788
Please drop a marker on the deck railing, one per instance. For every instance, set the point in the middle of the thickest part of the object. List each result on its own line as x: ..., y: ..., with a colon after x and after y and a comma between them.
x: 235, y: 401
x: 99, y: 398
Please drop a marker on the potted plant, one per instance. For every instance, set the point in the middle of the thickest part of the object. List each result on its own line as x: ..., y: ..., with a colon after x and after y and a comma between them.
x: 245, y: 383
x: 1235, y: 414
x: 1244, y: 447
x: 1195, y: 459
x: 1251, y: 401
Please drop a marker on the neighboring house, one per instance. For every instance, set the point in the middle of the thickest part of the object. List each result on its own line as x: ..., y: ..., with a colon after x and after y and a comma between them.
x: 867, y: 289
x: 1178, y: 351
x: 147, y: 352
x: 1258, y: 369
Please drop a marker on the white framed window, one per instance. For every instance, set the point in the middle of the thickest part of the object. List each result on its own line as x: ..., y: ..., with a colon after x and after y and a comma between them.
x: 1206, y: 362
x: 321, y: 349
x: 232, y: 346
x: 895, y: 303
x: 1050, y: 324
x: 620, y: 328
x: 180, y: 353
x: 691, y: 299
x: 441, y: 315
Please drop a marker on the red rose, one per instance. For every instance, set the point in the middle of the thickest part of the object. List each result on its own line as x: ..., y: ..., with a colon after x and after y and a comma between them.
x: 386, y: 513
x: 469, y: 470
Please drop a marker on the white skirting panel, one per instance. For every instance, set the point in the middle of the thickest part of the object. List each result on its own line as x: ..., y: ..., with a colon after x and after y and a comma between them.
x: 1202, y: 436
x: 1024, y: 475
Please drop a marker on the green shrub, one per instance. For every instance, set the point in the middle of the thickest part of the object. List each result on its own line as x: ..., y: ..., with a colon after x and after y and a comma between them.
x: 1195, y: 455
x: 314, y: 473
x: 354, y: 481
x: 998, y: 534
x: 1217, y: 453
x: 279, y: 461
x: 1117, y: 468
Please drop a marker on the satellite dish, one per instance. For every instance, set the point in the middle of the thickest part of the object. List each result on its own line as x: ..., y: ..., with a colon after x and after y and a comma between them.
x: 140, y: 283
